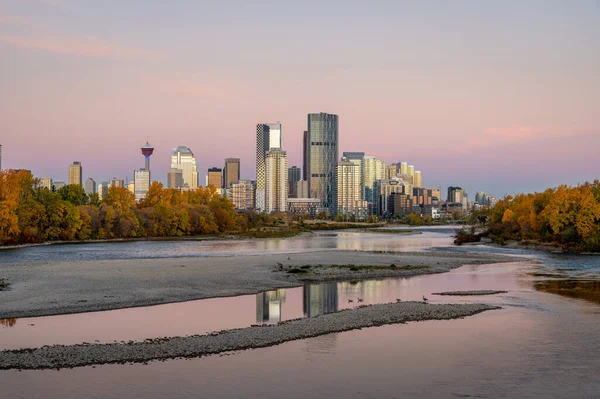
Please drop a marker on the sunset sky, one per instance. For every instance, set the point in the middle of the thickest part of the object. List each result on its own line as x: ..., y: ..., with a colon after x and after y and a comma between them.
x: 497, y: 96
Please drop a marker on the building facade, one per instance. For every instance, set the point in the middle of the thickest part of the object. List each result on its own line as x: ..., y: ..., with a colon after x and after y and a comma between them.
x: 384, y: 188
x: 276, y: 183
x: 231, y: 172
x: 242, y: 194
x: 268, y: 137
x: 214, y: 177
x: 183, y: 158
x: 373, y: 170
x: 418, y: 180
x: 349, y: 192
x: 322, y: 143
x: 114, y: 182
x: 141, y: 180
x: 75, y: 174
x: 90, y: 186
x: 293, y: 178
x: 174, y: 178
x: 302, y: 189
x: 304, y: 206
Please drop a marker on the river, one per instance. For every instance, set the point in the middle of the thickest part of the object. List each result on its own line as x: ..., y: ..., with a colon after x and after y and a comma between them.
x: 539, y: 345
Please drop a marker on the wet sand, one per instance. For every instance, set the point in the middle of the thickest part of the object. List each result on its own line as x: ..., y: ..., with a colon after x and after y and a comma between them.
x: 39, y: 289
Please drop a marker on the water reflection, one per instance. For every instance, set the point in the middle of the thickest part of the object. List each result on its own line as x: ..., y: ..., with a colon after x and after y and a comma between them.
x: 321, y: 298
x: 588, y: 290
x: 8, y: 322
x: 268, y: 306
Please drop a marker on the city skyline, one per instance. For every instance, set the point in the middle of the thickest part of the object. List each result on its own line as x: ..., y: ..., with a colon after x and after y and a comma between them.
x: 459, y: 100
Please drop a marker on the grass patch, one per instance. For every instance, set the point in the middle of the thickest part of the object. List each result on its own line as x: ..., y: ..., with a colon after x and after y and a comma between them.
x: 279, y: 233
x: 4, y: 285
x: 392, y: 231
x: 298, y: 270
x: 355, y: 268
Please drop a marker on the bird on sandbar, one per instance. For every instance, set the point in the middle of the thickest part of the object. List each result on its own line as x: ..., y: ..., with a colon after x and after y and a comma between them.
x: 350, y: 300
x: 398, y: 300
x: 425, y: 299
x: 360, y: 300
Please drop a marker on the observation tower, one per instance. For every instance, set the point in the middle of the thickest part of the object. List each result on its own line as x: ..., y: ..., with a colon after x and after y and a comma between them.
x: 147, y: 150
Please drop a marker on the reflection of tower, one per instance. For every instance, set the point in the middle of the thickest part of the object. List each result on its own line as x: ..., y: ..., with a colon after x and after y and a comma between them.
x: 268, y: 306
x: 320, y: 299
x: 147, y: 150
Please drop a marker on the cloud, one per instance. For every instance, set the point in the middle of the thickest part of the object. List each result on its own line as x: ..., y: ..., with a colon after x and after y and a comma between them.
x: 492, y: 137
x: 89, y: 46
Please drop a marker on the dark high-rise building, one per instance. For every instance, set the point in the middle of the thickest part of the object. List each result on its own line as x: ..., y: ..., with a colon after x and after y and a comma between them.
x: 231, y: 172
x: 305, y: 145
x: 214, y: 177
x: 322, y: 141
x: 268, y: 137
x: 455, y: 194
x: 293, y: 178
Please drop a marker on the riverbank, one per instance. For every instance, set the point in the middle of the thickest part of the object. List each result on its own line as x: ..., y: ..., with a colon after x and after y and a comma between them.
x: 59, y: 356
x: 42, y: 289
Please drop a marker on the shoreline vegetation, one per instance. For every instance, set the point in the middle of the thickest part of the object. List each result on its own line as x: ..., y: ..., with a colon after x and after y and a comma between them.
x: 69, y: 356
x: 32, y: 214
x: 565, y: 218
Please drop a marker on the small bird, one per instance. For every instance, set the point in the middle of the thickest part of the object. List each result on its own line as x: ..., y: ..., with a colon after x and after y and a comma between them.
x: 398, y: 300
x: 350, y: 300
x: 425, y: 299
x: 360, y: 300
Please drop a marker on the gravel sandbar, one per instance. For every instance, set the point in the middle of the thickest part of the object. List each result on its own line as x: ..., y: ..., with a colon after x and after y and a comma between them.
x: 60, y: 356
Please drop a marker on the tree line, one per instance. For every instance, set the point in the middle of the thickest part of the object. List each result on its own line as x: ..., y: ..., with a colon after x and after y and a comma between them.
x: 566, y: 215
x: 30, y: 213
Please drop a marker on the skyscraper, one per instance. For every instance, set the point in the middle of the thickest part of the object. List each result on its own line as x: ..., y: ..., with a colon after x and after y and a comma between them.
x: 90, y: 186
x: 373, y: 170
x: 293, y: 178
x: 231, y: 172
x: 357, y: 158
x: 418, y: 180
x: 114, y: 182
x: 403, y: 168
x: 391, y: 171
x: 411, y: 170
x: 214, y: 178
x: 174, y: 178
x: 322, y: 142
x: 305, y: 163
x: 349, y: 194
x: 276, y: 181
x: 75, y: 173
x: 268, y: 137
x: 455, y: 194
x: 183, y: 158
x: 141, y: 183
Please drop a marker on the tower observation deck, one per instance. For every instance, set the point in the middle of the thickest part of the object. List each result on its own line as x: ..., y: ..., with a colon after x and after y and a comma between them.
x: 147, y: 150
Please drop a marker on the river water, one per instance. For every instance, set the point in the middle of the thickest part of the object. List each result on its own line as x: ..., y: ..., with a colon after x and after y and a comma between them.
x: 543, y: 343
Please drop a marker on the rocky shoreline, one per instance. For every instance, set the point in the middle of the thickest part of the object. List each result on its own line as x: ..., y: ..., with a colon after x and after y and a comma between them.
x: 60, y: 356
x: 470, y: 293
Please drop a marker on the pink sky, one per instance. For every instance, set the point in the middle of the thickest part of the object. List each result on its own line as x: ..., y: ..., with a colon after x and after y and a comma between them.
x: 498, y: 98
